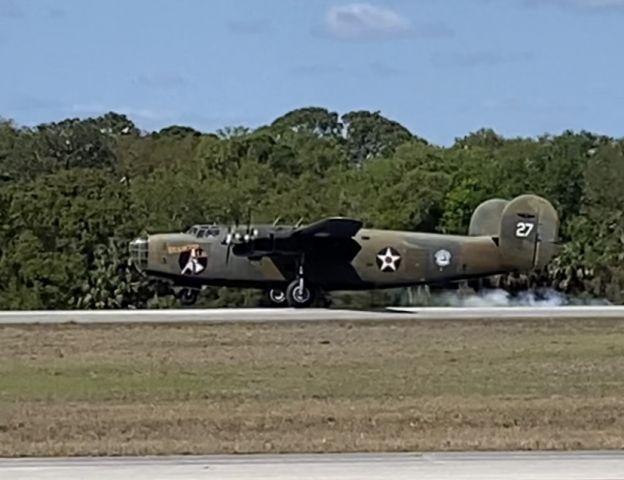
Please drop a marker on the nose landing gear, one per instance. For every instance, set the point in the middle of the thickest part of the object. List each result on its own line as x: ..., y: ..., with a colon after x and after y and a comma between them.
x: 187, y: 296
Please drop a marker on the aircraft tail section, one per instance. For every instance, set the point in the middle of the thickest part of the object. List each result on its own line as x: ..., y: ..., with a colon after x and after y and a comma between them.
x: 485, y: 220
x: 527, y: 237
x: 525, y: 228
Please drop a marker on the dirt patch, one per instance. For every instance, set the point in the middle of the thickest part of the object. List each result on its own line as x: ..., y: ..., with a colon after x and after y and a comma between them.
x: 311, y: 387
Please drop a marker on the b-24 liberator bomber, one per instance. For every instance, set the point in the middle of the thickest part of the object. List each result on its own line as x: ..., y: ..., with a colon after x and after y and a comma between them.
x: 295, y: 264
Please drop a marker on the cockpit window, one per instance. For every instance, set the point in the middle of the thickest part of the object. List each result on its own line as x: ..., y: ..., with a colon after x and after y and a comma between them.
x: 203, y: 231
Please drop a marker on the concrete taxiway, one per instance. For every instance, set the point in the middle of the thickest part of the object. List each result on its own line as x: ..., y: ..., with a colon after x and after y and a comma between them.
x: 220, y: 315
x: 456, y: 466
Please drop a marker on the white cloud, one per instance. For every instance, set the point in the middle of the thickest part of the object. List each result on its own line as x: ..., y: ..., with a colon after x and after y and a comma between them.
x: 362, y: 21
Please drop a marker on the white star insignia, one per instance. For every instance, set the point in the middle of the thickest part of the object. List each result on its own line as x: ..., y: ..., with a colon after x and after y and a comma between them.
x: 388, y: 260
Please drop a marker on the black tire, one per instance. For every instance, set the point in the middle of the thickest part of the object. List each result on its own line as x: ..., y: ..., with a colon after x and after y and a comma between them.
x: 188, y: 296
x: 297, y: 298
x: 277, y: 297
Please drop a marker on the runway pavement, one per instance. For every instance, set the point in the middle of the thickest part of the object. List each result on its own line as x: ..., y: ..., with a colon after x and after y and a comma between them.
x: 290, y: 315
x: 456, y: 466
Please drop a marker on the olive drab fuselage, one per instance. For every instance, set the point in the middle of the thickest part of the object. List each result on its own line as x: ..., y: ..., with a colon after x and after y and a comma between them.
x: 372, y: 259
x: 339, y: 254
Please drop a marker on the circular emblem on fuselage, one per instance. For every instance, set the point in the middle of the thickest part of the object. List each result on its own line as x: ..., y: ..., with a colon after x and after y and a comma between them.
x: 388, y: 260
x: 192, y: 262
x: 442, y: 258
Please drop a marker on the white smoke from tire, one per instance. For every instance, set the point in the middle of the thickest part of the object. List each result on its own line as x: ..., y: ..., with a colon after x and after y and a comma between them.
x: 502, y: 298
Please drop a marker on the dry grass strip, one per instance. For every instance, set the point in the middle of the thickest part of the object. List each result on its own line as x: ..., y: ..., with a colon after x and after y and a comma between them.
x: 311, y: 387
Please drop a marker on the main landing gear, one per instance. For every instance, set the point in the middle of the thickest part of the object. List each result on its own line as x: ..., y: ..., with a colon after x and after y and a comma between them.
x: 296, y: 297
x: 298, y: 293
x: 277, y: 297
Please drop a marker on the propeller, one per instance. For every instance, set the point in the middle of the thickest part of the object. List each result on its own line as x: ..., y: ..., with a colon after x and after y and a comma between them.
x: 229, y: 238
x: 248, y: 231
x: 229, y: 247
x: 235, y: 236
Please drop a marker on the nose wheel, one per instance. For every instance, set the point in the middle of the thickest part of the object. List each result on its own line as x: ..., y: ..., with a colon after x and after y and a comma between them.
x: 187, y: 296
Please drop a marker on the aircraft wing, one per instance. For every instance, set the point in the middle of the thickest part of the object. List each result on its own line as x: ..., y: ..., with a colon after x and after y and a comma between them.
x: 334, y: 227
x: 298, y: 240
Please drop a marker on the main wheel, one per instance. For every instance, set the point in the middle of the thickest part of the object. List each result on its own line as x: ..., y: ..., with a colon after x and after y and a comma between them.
x: 299, y: 295
x: 188, y: 296
x: 277, y: 297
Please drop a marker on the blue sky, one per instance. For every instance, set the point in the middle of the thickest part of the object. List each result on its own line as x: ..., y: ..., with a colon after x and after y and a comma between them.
x: 442, y: 68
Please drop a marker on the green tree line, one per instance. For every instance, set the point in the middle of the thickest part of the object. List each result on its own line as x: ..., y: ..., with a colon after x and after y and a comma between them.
x: 73, y: 193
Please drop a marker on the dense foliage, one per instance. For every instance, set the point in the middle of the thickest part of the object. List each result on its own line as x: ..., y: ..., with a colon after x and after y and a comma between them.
x: 74, y: 193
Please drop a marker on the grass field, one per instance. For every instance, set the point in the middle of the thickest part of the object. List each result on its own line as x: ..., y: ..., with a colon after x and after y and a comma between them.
x: 311, y: 387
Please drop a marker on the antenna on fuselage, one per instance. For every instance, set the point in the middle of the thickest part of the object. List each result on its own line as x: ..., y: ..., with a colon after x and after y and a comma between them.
x: 276, y: 221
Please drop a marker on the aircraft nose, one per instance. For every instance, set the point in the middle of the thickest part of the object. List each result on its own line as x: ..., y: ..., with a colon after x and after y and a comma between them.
x: 139, y: 249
